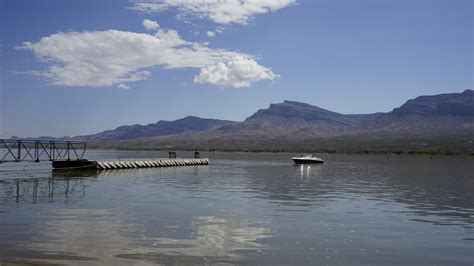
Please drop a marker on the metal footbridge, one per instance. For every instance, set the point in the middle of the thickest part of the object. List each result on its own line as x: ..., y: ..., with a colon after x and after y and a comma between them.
x: 12, y: 150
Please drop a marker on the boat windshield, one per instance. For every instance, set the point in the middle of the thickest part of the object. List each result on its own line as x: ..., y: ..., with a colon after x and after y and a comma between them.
x: 307, y: 156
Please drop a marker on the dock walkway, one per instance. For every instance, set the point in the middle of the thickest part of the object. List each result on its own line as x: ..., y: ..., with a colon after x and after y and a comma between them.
x: 148, y: 163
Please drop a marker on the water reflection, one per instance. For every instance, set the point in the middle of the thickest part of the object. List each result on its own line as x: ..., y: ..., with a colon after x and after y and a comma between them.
x: 432, y: 193
x: 309, y: 171
x: 236, y: 211
x: 41, y: 190
x: 213, y: 240
x: 105, y: 236
x: 441, y: 194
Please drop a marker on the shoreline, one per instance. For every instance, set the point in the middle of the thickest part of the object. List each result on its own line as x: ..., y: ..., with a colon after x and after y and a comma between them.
x: 341, y: 152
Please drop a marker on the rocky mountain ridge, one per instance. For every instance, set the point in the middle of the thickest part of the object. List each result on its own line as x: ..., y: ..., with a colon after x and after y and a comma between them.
x: 443, y: 121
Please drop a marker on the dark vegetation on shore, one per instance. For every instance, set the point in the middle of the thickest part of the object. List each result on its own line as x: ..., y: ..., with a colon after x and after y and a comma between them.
x: 447, y: 149
x: 371, y: 152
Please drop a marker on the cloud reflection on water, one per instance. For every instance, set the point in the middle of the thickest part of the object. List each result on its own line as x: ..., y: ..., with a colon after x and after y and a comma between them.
x: 102, y: 236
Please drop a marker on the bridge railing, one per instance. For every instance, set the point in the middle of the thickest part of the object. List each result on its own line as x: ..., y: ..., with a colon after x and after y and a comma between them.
x: 12, y: 150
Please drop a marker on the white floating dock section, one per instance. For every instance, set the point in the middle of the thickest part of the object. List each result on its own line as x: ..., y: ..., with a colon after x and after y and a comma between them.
x: 148, y: 163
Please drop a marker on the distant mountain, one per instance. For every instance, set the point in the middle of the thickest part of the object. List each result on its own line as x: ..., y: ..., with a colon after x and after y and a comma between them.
x: 41, y: 138
x: 297, y: 119
x: 457, y: 104
x: 161, y: 128
x: 443, y: 122
x: 438, y: 115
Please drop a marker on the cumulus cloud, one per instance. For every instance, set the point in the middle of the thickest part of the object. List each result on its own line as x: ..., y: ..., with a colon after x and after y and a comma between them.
x: 150, y: 24
x: 237, y: 72
x: 113, y: 58
x: 210, y: 33
x: 222, y: 11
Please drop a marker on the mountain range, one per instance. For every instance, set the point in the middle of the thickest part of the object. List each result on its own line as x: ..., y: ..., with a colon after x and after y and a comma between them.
x: 441, y: 122
x: 160, y: 128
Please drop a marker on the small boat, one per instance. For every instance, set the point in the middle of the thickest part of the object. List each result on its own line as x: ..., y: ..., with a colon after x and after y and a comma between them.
x: 307, y: 159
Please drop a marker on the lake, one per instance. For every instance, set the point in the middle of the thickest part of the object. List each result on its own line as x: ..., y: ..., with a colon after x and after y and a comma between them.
x: 243, y: 208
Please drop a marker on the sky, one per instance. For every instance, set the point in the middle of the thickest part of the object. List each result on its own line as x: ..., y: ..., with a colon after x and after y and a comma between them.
x: 82, y: 66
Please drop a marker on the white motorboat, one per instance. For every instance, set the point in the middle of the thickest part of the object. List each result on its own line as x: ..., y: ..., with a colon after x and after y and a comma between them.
x: 307, y: 159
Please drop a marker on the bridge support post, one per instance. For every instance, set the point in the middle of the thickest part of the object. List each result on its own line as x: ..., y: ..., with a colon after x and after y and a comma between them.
x: 18, y: 158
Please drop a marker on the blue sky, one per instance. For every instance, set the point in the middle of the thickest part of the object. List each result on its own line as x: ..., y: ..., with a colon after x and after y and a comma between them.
x: 79, y: 67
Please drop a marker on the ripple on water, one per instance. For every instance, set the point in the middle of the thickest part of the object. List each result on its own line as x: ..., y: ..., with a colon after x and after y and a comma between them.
x: 245, y: 209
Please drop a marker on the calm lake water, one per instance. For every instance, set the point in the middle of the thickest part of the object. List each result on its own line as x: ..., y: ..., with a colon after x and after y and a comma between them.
x: 244, y: 208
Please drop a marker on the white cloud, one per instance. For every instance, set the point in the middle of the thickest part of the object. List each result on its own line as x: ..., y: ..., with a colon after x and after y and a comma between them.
x: 123, y: 86
x: 222, y: 11
x: 238, y: 72
x: 113, y: 57
x: 150, y: 24
x: 210, y: 33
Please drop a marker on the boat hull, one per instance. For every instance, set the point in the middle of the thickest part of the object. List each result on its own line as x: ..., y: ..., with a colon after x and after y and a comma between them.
x: 307, y: 161
x: 74, y: 164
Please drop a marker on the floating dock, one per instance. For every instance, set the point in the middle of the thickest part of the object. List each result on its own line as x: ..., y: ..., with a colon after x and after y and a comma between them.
x: 128, y: 163
x: 149, y: 163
